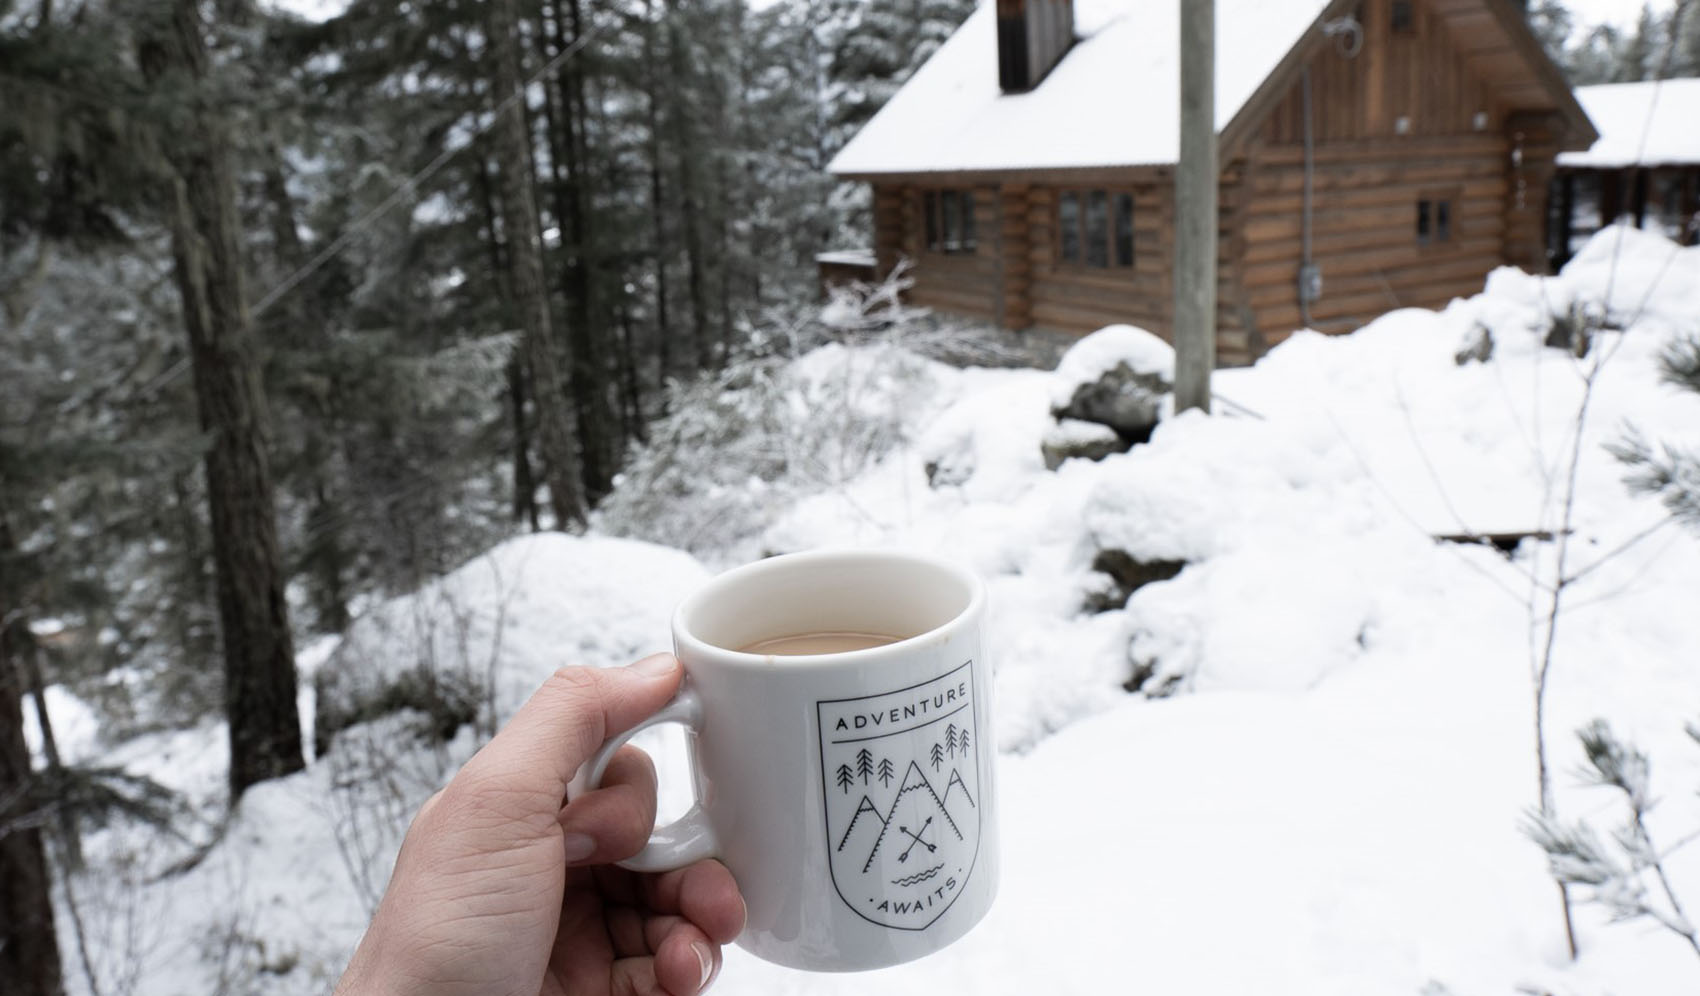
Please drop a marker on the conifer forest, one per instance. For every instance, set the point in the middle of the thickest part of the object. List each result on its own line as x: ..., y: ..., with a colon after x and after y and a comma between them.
x: 299, y: 313
x: 306, y: 308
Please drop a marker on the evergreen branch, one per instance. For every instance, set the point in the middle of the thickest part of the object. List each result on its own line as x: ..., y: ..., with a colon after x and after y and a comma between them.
x: 1679, y: 362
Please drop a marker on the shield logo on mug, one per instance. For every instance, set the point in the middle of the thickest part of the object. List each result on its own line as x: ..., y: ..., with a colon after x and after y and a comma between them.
x: 901, y: 777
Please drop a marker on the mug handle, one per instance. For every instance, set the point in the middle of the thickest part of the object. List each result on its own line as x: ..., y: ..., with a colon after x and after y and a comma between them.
x: 687, y: 839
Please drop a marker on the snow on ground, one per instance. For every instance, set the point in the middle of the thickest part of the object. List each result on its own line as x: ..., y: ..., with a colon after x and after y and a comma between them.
x: 1330, y: 800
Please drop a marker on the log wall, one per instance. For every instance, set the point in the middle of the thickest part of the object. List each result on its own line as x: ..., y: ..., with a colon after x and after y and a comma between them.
x: 962, y: 283
x: 1363, y: 229
x: 1419, y: 77
x: 1404, y: 119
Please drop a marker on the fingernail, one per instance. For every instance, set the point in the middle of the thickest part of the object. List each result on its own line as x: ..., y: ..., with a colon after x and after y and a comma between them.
x: 575, y: 847
x: 706, y: 958
x: 655, y: 666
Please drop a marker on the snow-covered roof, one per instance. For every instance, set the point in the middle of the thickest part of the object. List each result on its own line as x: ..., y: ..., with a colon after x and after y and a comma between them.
x: 1649, y: 123
x: 847, y: 257
x: 1113, y: 100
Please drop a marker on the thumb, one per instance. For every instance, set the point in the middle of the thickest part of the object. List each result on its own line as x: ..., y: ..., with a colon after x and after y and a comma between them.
x: 564, y: 723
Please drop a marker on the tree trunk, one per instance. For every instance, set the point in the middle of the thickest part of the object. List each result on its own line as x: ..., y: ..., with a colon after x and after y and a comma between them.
x: 525, y: 270
x: 27, y: 653
x: 195, y: 601
x: 259, y: 687
x: 29, y: 945
x: 657, y: 209
x: 325, y: 555
x: 631, y: 393
x: 524, y: 479
x: 586, y: 320
x: 685, y: 146
x: 525, y: 486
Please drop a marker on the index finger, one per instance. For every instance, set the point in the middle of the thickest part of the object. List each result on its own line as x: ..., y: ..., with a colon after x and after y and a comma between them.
x: 528, y: 764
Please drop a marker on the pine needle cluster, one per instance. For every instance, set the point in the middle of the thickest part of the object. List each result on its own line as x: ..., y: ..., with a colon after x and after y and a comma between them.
x: 1625, y: 870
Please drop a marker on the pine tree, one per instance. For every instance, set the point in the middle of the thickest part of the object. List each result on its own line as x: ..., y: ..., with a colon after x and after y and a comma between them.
x: 519, y: 221
x: 886, y: 772
x: 1666, y: 470
x: 199, y: 187
x: 864, y: 764
x: 1627, y: 876
x: 1551, y: 22
x: 1635, y: 57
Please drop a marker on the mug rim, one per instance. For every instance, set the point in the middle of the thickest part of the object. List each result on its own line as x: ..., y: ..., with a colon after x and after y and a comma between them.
x: 687, y: 643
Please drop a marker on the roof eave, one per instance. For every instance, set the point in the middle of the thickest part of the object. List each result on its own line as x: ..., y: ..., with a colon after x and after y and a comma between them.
x: 1579, y: 133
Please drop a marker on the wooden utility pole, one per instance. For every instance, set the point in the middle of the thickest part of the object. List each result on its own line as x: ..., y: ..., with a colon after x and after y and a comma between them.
x: 1195, y: 209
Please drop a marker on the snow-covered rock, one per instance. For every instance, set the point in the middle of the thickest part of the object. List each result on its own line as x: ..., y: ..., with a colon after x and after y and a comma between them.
x: 1111, y: 346
x: 1120, y: 377
x: 1075, y: 439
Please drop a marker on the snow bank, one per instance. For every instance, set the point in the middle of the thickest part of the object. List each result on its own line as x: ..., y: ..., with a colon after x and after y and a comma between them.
x: 1331, y: 791
x: 503, y: 622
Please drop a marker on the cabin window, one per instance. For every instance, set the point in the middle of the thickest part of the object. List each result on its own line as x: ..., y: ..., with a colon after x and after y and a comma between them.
x: 1434, y: 220
x: 1095, y: 228
x: 1401, y: 20
x: 948, y: 219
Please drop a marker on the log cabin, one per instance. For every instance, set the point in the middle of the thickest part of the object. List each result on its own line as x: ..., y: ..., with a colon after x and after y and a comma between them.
x: 1374, y: 154
x: 1645, y: 168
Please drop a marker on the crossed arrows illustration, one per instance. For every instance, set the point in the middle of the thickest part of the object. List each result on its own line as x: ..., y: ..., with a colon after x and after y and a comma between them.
x: 915, y: 838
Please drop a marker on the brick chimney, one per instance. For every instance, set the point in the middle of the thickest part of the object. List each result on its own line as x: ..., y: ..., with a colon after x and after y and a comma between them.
x: 1032, y: 37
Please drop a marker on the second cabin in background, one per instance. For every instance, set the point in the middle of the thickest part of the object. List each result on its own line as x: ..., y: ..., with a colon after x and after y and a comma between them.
x: 1374, y: 154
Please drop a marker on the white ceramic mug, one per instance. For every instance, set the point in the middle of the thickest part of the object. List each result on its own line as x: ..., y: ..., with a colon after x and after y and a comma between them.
x: 851, y: 794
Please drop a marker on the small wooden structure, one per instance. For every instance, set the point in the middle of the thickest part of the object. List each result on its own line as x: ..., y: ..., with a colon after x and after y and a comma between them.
x: 1374, y: 154
x: 1646, y: 166
x: 843, y: 267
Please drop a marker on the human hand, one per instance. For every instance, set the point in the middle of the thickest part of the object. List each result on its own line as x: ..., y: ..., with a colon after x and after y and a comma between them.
x: 501, y: 890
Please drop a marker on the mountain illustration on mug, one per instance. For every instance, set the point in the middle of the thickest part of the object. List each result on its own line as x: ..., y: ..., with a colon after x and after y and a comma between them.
x: 902, y: 845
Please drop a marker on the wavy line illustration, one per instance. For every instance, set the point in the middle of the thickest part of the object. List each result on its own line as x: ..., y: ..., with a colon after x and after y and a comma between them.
x: 918, y: 877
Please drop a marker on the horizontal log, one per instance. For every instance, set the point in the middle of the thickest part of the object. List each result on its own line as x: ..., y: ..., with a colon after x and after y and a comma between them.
x: 1492, y: 188
x: 1362, y: 149
x: 1067, y: 318
x: 958, y: 266
x: 1369, y: 260
x: 1322, y: 245
x: 1414, y: 172
x: 978, y: 305
x: 1466, y: 216
x: 1397, y: 287
x: 1142, y: 300
x: 1333, y: 312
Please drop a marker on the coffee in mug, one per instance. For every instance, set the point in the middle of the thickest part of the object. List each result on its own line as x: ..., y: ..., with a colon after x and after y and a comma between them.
x: 843, y: 772
x: 817, y: 643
